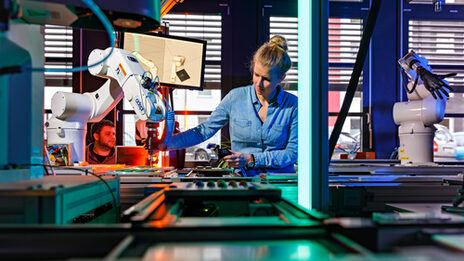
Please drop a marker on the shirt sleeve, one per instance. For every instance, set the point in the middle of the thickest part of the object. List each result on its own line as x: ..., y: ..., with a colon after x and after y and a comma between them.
x: 281, y: 158
x: 205, y: 130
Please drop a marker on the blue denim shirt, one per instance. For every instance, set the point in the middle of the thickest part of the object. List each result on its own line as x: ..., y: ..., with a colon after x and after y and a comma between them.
x: 273, y: 143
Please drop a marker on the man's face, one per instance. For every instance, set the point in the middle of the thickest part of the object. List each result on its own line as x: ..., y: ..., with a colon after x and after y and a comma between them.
x: 107, y: 137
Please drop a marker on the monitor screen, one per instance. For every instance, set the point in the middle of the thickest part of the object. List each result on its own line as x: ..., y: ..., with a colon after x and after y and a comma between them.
x: 178, y: 62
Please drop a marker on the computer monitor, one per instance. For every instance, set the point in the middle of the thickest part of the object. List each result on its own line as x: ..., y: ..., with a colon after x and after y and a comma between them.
x: 179, y: 62
x: 131, y: 155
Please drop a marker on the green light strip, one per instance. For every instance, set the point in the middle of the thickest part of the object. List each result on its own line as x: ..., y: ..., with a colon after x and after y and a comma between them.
x: 304, y: 103
x: 136, y: 43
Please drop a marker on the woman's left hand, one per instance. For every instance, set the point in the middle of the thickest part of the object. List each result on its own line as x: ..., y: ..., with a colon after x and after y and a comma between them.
x: 237, y: 159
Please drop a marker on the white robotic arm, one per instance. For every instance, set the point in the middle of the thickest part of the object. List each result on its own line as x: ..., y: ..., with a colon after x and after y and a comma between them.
x: 126, y: 77
x: 427, y: 94
x: 151, y: 65
x: 124, y: 67
x: 417, y: 68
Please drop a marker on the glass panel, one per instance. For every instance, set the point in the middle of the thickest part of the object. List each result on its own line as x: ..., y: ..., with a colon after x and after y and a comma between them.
x: 206, y: 100
x: 336, y: 101
x: 57, y: 51
x: 352, y: 125
x: 350, y: 137
x: 187, y: 100
x: 448, y: 143
x: 205, y: 27
x: 344, y: 38
x: 128, y: 127
x: 57, y: 55
x: 457, y: 82
x: 199, y: 152
x: 313, y: 249
x: 212, y: 73
x: 288, y: 28
x: 57, y: 41
x: 339, y: 77
x: 126, y: 105
x: 455, y: 103
x: 293, y: 92
x: 454, y: 124
x: 48, y: 94
x: 185, y: 122
x: 441, y: 42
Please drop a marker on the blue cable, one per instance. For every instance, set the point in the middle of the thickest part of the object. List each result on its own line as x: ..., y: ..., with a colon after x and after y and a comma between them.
x: 243, y: 171
x: 109, y: 28
x: 156, y: 80
x: 169, y: 106
x: 145, y: 72
x: 156, y: 83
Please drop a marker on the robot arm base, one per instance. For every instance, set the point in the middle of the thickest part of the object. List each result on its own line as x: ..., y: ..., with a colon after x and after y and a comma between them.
x: 428, y: 111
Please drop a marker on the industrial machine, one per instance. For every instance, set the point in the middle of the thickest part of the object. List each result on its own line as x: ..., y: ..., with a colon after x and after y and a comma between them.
x: 140, y: 16
x: 126, y: 77
x: 60, y: 200
x: 216, y: 201
x: 427, y: 94
x: 240, y: 220
x: 22, y: 90
x: 135, y: 179
x: 135, y: 73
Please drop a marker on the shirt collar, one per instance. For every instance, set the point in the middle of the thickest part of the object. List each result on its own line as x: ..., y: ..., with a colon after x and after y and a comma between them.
x: 91, y: 145
x: 276, y: 99
x: 254, y: 98
x: 278, y: 96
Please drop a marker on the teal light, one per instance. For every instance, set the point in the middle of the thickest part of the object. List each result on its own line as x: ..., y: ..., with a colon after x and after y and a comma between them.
x: 304, y: 103
x: 136, y: 43
x: 4, y: 83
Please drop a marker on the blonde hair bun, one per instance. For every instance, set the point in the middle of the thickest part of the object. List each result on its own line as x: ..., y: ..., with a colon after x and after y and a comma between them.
x: 273, y: 54
x: 279, y: 41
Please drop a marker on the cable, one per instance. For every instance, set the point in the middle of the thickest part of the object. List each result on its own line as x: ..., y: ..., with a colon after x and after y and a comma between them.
x: 46, y: 170
x: 145, y: 72
x: 111, y: 33
x: 11, y: 69
x: 49, y: 161
x: 356, y: 73
x: 145, y: 97
x: 116, y: 207
x: 157, y: 81
x: 147, y: 81
x: 155, y: 84
x: 405, y: 85
x: 243, y: 171
x: 168, y: 106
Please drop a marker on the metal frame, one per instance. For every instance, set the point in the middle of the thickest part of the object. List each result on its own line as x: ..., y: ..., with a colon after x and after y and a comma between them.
x: 54, y: 199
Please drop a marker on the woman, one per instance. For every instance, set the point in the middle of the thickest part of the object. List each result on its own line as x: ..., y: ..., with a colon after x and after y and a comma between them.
x: 263, y: 118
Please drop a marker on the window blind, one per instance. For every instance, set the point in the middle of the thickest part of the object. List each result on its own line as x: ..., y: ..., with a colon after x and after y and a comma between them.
x: 58, y: 54
x: 205, y: 27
